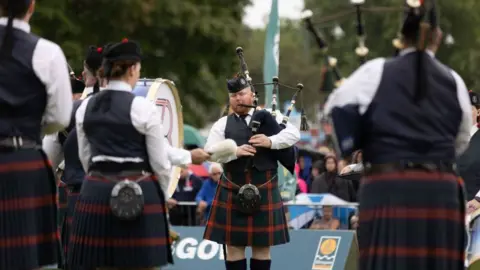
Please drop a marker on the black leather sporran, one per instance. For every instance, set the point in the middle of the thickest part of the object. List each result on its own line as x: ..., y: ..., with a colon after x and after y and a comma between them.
x: 248, y: 199
x: 127, y: 200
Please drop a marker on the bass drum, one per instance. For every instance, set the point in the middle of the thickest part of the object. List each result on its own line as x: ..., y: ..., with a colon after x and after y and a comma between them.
x: 164, y: 95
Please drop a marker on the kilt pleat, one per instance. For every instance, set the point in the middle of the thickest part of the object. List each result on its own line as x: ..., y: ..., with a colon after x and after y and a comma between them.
x: 99, y: 239
x: 62, y: 203
x: 72, y: 198
x: 29, y: 235
x: 412, y: 220
x: 227, y: 225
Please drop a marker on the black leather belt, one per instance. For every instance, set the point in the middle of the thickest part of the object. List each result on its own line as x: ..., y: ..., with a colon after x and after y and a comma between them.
x: 16, y: 143
x: 445, y: 167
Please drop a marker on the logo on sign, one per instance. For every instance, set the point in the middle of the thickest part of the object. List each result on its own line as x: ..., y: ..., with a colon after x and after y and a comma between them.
x: 190, y: 248
x: 166, y: 112
x: 326, y: 253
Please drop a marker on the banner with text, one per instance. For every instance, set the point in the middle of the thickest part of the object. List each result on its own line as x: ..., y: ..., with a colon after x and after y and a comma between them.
x: 308, y: 249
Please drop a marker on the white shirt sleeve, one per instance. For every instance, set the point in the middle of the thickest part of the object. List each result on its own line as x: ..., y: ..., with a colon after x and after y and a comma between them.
x: 359, y: 89
x: 84, y: 151
x: 53, y: 149
x: 463, y: 135
x: 147, y: 120
x: 51, y: 68
x: 216, y: 135
x: 178, y: 156
x: 289, y: 136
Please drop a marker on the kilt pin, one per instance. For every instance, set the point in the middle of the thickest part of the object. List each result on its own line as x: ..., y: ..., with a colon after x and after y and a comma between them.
x: 412, y: 220
x: 267, y: 227
x: 29, y: 235
x: 99, y: 239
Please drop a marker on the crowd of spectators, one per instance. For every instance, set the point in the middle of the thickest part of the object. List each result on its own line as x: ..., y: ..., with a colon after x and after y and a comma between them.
x: 327, y: 175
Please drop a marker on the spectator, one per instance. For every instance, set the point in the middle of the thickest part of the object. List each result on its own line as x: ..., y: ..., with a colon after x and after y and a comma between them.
x: 329, y: 182
x: 188, y: 187
x: 357, y: 163
x: 318, y: 168
x: 305, y: 164
x: 327, y: 221
x: 301, y: 184
x: 207, y: 192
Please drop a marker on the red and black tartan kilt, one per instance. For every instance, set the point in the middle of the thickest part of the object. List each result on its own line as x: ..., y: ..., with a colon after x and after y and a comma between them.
x: 73, y: 192
x: 28, y: 213
x: 412, y: 220
x: 227, y: 225
x: 100, y: 240
x: 62, y: 203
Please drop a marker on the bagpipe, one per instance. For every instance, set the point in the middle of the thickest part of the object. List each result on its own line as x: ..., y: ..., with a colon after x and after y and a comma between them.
x: 265, y: 122
x: 77, y: 84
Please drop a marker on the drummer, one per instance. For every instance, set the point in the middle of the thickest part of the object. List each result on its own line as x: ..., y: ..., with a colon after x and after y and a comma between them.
x: 120, y: 136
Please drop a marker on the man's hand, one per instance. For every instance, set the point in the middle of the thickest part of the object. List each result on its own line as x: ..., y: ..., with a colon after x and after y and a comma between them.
x: 171, y: 203
x: 472, y: 206
x: 260, y: 140
x: 246, y: 150
x: 199, y: 156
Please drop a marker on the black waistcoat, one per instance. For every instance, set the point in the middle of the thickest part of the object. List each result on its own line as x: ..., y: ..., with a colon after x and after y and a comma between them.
x: 237, y: 130
x: 110, y: 131
x: 73, y: 173
x: 23, y: 96
x: 396, y: 129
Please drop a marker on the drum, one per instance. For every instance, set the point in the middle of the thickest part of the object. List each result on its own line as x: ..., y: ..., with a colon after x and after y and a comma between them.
x: 473, y: 247
x: 165, y: 96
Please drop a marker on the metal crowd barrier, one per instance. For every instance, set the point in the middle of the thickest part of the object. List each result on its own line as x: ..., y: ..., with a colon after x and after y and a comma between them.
x: 299, y: 215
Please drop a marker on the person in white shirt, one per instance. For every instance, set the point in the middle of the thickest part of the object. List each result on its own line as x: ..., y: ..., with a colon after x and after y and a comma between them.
x: 120, y: 137
x: 475, y: 101
x: 35, y: 99
x: 227, y: 209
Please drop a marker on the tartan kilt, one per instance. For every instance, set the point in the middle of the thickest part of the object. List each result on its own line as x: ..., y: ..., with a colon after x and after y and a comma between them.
x: 62, y: 203
x: 412, y: 220
x: 100, y: 240
x: 227, y: 225
x: 72, y: 197
x: 28, y: 213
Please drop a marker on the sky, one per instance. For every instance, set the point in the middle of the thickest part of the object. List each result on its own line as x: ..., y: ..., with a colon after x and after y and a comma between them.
x: 256, y: 14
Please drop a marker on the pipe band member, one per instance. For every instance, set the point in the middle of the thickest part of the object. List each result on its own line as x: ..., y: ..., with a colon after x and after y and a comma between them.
x: 266, y: 226
x: 468, y: 163
x: 64, y: 146
x: 121, y: 145
x: 410, y: 134
x: 35, y: 99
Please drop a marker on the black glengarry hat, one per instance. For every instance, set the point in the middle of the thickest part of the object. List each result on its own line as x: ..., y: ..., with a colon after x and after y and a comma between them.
x: 94, y: 58
x: 125, y: 50
x: 237, y: 84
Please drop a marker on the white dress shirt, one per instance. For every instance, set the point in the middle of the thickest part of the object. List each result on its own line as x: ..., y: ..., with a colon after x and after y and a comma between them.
x: 284, y: 139
x: 362, y: 85
x: 147, y: 120
x: 50, y: 66
x: 473, y: 130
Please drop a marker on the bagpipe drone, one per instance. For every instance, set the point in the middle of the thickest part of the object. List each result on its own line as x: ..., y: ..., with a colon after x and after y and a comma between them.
x: 264, y: 121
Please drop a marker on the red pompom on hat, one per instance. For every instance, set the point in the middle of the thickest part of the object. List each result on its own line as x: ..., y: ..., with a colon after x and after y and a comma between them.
x: 125, y: 40
x: 99, y: 49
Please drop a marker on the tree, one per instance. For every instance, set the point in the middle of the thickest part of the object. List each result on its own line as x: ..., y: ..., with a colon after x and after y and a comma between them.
x: 382, y: 26
x: 186, y: 41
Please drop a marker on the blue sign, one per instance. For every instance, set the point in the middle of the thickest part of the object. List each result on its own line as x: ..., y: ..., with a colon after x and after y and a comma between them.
x: 308, y: 249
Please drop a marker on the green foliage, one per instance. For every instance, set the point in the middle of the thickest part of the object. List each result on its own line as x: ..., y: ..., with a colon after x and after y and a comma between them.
x: 456, y: 17
x: 190, y: 42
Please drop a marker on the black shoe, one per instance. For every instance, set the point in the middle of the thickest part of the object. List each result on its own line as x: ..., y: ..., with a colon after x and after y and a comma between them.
x: 236, y: 265
x: 260, y: 264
